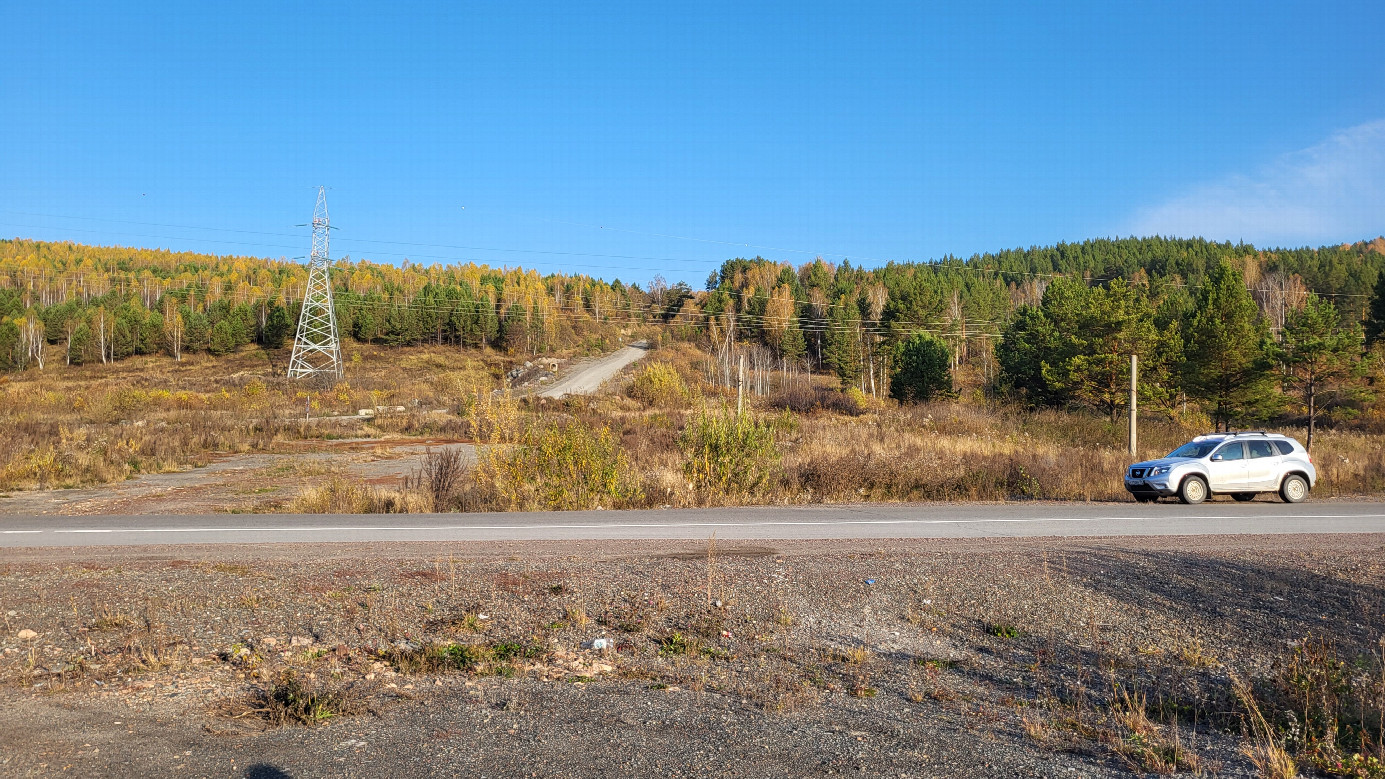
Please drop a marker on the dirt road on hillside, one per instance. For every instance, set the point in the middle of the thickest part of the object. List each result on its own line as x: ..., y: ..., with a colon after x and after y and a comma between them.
x: 587, y: 378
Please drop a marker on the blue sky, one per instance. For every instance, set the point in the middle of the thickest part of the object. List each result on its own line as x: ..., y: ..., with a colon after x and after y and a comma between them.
x: 630, y: 139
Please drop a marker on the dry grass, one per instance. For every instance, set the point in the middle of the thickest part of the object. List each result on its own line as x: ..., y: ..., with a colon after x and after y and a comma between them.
x: 1144, y: 744
x: 1264, y: 748
x: 91, y: 424
x: 812, y: 444
x: 341, y: 496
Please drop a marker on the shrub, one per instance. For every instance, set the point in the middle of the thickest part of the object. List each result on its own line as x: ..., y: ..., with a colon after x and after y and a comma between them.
x: 290, y: 699
x: 440, y: 475
x: 803, y: 398
x: 567, y: 466
x: 727, y: 455
x: 658, y: 384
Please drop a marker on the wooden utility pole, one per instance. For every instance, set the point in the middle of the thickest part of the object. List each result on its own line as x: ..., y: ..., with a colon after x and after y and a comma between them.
x: 740, y: 387
x: 1134, y: 362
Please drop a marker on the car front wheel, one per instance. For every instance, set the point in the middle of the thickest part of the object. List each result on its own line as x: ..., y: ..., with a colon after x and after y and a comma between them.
x: 1294, y: 489
x: 1192, y: 490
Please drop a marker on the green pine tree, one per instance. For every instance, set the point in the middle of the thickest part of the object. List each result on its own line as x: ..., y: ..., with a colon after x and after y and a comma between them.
x: 276, y: 327
x: 1375, y: 317
x: 1320, y: 359
x: 842, y: 347
x: 223, y: 339
x: 1226, y: 365
x: 921, y: 369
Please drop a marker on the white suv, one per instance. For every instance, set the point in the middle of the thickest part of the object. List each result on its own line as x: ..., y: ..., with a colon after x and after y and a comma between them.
x: 1237, y: 464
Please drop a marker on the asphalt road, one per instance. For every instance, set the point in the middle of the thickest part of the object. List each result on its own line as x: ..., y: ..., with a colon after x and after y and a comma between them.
x: 760, y: 523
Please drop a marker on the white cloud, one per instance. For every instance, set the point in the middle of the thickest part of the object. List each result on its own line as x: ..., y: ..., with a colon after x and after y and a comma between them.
x: 1333, y: 192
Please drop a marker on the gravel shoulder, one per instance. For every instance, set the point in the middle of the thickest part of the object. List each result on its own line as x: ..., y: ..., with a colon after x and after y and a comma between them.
x: 883, y: 658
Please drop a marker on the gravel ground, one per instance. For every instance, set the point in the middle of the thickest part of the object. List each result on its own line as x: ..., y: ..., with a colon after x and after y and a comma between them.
x: 911, y: 658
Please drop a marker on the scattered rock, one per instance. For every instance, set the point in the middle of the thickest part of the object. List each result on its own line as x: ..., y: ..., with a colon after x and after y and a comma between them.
x: 300, y: 641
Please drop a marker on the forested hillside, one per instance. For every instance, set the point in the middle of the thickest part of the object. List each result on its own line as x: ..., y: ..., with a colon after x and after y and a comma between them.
x: 1050, y: 326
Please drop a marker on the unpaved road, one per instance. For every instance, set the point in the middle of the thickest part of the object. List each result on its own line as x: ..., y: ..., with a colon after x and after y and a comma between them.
x: 240, y: 481
x: 587, y: 378
x: 947, y: 520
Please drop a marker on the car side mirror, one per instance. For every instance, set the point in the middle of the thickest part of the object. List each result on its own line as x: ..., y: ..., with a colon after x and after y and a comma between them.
x: 1216, y: 458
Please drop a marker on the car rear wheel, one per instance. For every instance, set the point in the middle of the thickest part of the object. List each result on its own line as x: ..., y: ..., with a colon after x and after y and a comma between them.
x: 1294, y: 489
x: 1192, y: 490
x: 1243, y: 496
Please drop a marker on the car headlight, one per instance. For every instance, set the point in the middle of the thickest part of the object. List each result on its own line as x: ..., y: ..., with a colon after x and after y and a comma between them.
x: 1157, y: 471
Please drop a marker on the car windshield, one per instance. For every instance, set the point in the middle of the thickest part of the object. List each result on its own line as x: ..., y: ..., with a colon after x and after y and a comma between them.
x: 1195, y: 449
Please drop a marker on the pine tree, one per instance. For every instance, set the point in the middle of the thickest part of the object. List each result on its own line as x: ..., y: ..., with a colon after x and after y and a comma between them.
x: 223, y: 338
x: 1375, y: 317
x: 921, y: 369
x: 1320, y: 360
x: 276, y: 327
x: 842, y: 349
x: 1226, y: 365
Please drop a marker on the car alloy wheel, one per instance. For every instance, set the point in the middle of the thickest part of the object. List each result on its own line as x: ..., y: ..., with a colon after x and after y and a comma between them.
x: 1193, y: 490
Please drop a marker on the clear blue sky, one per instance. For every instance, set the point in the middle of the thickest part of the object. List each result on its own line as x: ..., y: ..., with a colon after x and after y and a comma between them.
x: 873, y: 131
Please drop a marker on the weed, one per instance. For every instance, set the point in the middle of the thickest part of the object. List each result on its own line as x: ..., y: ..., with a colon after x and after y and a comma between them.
x: 290, y: 699
x: 1265, y: 750
x: 1035, y: 727
x: 435, y: 658
x: 856, y: 655
x: 510, y: 651
x: 106, y: 619
x: 234, y: 569
x: 440, y: 476
x: 676, y: 643
x: 340, y: 496
x: 1143, y: 743
x: 1003, y: 630
x: 577, y: 616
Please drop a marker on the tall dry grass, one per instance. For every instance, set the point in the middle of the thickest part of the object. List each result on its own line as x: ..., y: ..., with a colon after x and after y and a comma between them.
x: 69, y: 426
x: 101, y: 423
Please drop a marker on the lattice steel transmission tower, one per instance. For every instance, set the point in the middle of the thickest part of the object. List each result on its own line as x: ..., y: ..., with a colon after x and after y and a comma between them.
x: 316, y: 348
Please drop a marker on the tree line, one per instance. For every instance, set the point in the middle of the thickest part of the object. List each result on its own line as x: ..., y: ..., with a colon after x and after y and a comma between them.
x: 1244, y: 334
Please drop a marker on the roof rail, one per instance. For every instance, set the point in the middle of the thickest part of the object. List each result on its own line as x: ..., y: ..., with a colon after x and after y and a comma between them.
x: 1249, y: 432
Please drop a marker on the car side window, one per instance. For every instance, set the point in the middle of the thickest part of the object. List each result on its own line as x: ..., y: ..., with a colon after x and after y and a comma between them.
x: 1232, y: 452
x: 1261, y: 449
x: 1284, y: 447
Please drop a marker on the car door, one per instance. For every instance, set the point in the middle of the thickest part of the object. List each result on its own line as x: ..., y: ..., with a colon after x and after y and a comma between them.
x: 1226, y: 469
x: 1262, y: 465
